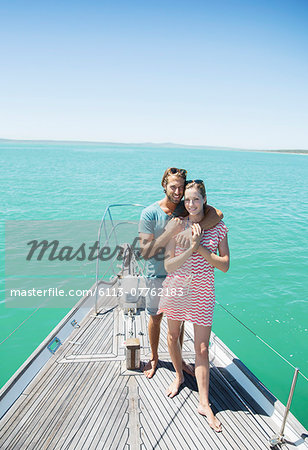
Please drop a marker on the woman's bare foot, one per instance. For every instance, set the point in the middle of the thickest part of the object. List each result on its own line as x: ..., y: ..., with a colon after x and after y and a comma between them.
x: 188, y: 368
x: 174, y: 387
x: 212, y: 420
x: 150, y: 368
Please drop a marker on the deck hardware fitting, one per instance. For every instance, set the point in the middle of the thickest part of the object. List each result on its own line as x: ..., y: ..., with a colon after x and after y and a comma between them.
x: 75, y: 324
x: 131, y: 319
x: 279, y: 438
x: 132, y: 353
x: 54, y: 345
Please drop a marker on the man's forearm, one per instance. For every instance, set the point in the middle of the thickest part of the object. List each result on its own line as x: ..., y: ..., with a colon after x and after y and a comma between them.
x: 151, y: 248
x: 211, y: 218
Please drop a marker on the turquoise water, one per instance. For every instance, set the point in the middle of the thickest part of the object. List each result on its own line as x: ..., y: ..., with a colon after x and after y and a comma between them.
x: 264, y: 200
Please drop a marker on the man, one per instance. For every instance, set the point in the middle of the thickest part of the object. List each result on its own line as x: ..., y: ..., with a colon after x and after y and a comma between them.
x: 159, y: 222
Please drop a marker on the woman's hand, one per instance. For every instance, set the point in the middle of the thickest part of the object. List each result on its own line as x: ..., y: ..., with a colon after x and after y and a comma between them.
x: 196, y: 236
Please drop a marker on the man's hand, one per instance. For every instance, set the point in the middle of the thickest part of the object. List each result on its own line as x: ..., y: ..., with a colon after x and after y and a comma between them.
x: 183, y: 239
x: 174, y: 226
x: 150, y: 246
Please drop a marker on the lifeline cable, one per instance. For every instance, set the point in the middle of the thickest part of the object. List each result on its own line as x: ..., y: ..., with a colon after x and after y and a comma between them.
x: 262, y: 340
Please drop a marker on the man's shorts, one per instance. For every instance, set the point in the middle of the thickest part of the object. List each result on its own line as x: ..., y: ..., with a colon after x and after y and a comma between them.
x: 155, y: 289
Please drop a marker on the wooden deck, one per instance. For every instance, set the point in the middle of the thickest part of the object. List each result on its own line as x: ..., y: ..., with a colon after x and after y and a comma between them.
x: 85, y: 399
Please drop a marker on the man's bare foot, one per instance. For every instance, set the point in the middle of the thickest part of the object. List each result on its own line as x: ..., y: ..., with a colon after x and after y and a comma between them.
x: 212, y: 420
x: 150, y: 368
x: 174, y: 387
x: 188, y: 368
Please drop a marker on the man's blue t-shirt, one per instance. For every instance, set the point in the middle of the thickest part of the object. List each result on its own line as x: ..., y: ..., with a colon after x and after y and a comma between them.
x: 153, y: 221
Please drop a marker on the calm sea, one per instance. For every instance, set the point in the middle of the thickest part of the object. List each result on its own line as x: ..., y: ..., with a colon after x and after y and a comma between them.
x: 264, y: 200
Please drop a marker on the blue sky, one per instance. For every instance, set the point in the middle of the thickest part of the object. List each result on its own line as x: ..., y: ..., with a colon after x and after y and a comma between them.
x: 227, y: 73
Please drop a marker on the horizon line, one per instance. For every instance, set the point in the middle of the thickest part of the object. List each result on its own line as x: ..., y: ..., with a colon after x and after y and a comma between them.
x: 160, y: 144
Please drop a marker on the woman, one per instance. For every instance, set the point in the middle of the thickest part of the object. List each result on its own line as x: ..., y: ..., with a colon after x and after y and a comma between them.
x: 189, y: 292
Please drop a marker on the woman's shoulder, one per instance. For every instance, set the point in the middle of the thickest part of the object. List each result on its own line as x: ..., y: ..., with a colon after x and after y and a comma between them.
x: 219, y: 228
x: 222, y: 224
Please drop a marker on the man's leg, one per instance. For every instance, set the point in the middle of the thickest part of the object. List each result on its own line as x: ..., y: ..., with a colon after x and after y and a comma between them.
x: 152, y: 304
x: 154, y: 333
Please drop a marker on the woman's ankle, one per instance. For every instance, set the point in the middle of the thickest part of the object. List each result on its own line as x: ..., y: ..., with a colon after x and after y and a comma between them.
x: 205, y: 405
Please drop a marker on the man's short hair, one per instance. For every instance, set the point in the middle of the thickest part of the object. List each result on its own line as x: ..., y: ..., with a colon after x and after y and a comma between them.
x: 173, y: 171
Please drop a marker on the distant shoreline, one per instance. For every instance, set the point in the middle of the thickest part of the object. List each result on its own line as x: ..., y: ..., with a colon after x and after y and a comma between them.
x: 158, y: 145
x: 297, y: 152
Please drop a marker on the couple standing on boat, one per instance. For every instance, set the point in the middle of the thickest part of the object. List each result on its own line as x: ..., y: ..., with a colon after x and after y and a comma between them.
x: 179, y: 239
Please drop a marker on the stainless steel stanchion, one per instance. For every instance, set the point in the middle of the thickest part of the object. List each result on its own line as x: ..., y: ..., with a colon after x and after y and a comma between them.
x: 278, y: 439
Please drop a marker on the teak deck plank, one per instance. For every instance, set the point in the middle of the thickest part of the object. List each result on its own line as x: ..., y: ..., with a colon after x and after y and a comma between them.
x: 243, y: 417
x: 176, y: 430
x: 76, y: 405
x: 183, y: 410
x: 74, y: 420
x: 87, y: 412
x: 51, y: 412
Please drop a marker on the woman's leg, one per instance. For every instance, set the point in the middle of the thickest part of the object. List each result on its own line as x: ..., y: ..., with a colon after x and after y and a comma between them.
x: 202, y: 371
x: 175, y: 350
x: 188, y: 368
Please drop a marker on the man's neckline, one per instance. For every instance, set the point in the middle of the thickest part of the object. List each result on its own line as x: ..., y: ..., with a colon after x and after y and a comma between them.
x: 169, y: 215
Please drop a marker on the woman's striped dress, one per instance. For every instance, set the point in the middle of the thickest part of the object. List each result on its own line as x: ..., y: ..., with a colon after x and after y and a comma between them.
x: 189, y: 292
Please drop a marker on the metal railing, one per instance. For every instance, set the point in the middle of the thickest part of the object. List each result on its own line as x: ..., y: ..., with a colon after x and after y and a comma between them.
x: 278, y: 438
x: 108, y: 236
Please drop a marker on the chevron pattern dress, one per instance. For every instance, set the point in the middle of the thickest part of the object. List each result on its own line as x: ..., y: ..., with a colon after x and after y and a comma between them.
x: 189, y: 292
